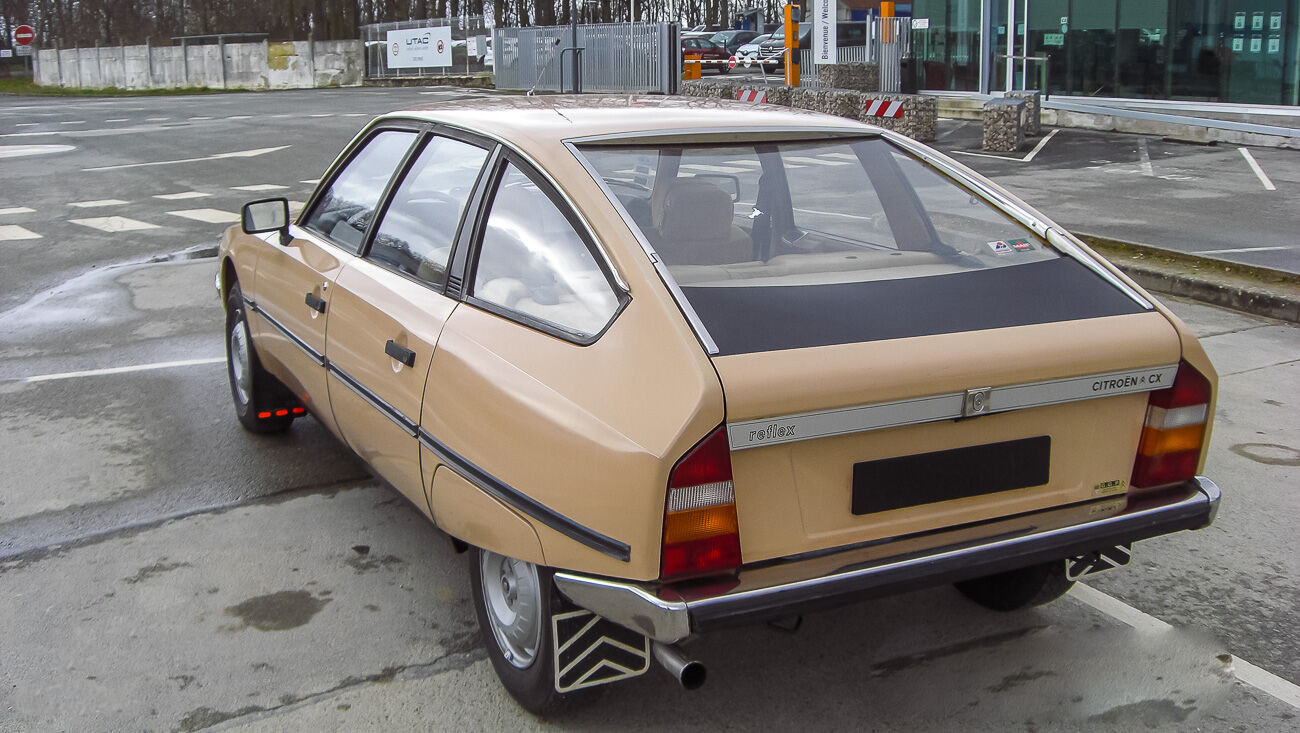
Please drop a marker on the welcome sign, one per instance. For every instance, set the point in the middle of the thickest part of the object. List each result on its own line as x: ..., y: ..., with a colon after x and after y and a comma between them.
x: 418, y: 48
x: 823, y: 37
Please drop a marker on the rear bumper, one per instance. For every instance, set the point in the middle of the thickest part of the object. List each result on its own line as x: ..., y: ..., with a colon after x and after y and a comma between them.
x: 844, y: 575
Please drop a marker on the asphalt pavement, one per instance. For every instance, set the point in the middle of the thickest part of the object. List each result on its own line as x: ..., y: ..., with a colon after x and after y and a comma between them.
x: 161, y: 569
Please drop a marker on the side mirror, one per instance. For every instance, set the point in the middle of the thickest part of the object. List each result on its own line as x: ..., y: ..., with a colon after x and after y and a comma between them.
x: 267, y: 215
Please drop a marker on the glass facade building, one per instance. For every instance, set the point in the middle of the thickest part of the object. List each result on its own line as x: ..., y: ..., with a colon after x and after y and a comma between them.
x: 1240, y: 51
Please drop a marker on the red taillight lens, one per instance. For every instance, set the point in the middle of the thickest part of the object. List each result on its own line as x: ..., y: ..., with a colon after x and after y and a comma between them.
x: 701, y: 532
x: 1174, y: 432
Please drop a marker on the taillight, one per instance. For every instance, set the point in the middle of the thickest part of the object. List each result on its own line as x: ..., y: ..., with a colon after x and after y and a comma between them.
x: 701, y: 534
x: 1174, y: 431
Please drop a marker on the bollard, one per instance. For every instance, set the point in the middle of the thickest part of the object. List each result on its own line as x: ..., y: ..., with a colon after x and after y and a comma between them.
x: 1004, y: 125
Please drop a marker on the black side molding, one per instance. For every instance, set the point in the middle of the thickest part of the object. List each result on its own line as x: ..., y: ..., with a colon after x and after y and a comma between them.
x: 524, y: 503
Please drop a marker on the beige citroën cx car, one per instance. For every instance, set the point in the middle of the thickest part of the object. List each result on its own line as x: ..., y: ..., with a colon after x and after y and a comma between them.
x: 666, y: 366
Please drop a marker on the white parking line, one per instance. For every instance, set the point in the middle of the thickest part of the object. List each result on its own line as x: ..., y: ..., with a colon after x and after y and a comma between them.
x: 1144, y: 158
x: 713, y: 168
x: 10, y: 232
x: 73, y: 122
x: 1026, y: 159
x: 119, y: 119
x: 218, y: 156
x: 156, y: 119
x: 239, y: 117
x: 97, y: 204
x: 326, y: 114
x: 17, y: 210
x: 113, y: 224
x: 209, y: 216
x: 815, y: 161
x: 311, y: 181
x: 1259, y: 172
x: 120, y: 370
x: 200, y: 118
x: 259, y: 187
x: 181, y: 195
x: 1260, y: 679
x: 26, y: 124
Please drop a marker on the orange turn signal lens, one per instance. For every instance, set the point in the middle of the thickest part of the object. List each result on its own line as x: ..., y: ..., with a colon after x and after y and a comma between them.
x: 698, y: 524
x: 1158, y: 442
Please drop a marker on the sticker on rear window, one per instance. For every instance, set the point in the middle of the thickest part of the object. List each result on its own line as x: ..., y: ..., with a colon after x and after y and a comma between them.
x: 1021, y: 245
x: 1000, y: 248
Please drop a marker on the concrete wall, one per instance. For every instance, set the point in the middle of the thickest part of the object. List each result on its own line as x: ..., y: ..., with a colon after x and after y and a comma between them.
x: 293, y: 65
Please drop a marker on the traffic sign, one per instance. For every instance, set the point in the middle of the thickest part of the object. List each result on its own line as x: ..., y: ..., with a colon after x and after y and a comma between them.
x: 24, y: 34
x: 731, y: 63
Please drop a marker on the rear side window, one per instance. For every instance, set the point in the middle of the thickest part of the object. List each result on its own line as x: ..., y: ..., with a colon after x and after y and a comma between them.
x: 531, y: 261
x: 344, y: 212
x: 781, y: 245
x: 417, y: 231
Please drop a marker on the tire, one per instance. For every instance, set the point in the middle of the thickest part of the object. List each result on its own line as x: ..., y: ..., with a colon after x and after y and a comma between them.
x: 252, y: 388
x: 516, y: 627
x: 723, y: 69
x: 1014, y: 590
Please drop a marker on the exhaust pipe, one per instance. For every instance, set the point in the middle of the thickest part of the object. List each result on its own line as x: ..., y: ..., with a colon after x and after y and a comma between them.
x: 689, y: 673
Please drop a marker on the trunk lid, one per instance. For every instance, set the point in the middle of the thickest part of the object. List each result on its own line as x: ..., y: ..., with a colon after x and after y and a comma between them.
x: 800, y: 420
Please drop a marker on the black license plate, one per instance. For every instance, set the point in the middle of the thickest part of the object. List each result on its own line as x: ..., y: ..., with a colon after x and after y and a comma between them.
x: 926, y: 478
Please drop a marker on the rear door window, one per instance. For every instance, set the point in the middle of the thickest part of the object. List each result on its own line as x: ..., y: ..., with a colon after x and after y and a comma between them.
x: 420, y: 225
x: 345, y: 210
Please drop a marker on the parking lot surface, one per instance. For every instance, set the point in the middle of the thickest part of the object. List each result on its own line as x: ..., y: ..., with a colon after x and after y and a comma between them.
x: 160, y: 569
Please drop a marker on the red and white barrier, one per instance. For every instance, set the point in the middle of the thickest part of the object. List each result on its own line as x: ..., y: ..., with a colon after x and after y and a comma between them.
x: 756, y: 96
x: 881, y: 108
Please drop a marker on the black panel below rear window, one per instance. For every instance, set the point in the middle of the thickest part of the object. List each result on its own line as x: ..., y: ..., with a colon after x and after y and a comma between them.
x: 751, y: 319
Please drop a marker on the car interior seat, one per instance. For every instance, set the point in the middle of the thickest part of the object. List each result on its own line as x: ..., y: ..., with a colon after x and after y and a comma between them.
x: 698, y: 226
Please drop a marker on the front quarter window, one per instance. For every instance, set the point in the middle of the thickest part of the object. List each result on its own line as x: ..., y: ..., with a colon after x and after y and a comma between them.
x: 343, y: 214
x: 533, y: 262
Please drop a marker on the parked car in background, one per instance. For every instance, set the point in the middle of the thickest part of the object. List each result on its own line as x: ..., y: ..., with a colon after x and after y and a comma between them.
x: 712, y: 56
x: 658, y: 374
x: 847, y: 34
x: 733, y: 40
x: 750, y: 50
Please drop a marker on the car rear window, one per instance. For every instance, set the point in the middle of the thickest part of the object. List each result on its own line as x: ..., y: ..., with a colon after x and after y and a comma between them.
x: 808, y: 243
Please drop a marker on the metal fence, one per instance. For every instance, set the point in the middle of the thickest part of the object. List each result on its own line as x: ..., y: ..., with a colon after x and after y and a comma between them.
x: 374, y: 37
x: 843, y: 55
x: 615, y: 57
x: 892, y: 42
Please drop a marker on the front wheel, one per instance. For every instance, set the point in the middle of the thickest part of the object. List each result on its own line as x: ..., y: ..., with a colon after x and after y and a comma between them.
x: 1014, y: 590
x: 512, y: 599
x: 257, y: 394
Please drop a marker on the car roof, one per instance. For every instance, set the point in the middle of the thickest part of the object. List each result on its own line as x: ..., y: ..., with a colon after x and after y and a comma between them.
x: 538, y: 124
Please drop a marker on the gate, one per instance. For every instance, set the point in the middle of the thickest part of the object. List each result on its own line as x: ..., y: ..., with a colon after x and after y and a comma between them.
x: 375, y: 35
x: 889, y: 41
x: 613, y: 57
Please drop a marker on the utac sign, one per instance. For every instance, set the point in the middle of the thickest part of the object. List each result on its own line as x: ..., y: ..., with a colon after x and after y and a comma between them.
x: 24, y: 34
x: 419, y: 48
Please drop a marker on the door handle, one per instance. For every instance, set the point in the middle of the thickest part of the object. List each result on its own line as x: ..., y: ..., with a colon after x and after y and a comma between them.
x: 315, y: 303
x: 400, y: 353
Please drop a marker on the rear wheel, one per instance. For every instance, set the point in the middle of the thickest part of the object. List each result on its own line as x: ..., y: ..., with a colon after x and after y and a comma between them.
x: 254, y: 390
x: 512, y: 599
x: 1013, y: 590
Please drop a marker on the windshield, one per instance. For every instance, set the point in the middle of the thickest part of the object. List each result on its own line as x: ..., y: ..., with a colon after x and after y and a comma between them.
x: 840, y: 222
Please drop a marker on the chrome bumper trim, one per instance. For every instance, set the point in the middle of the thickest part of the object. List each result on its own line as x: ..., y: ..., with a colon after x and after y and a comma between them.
x: 667, y: 614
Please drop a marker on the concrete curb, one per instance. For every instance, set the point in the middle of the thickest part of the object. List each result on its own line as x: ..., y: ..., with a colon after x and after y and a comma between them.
x: 1256, y: 290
